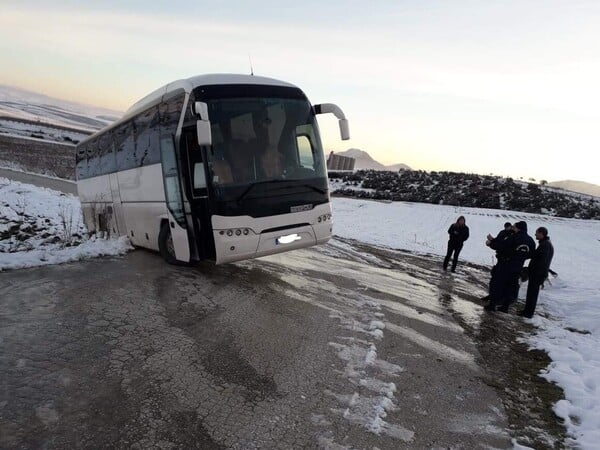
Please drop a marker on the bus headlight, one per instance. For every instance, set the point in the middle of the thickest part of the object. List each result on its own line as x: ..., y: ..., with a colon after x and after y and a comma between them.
x: 246, y: 232
x: 229, y: 232
x: 238, y: 232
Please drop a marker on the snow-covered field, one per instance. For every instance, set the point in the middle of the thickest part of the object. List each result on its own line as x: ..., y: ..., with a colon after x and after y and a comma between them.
x: 568, y: 312
x: 40, y: 226
x: 30, y: 106
x: 40, y: 131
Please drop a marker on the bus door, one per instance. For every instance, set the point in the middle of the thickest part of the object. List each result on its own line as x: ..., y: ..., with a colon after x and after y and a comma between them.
x: 174, y: 199
x: 196, y: 171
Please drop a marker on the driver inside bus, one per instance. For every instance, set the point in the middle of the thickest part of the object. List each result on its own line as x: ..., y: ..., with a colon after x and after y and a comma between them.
x: 267, y: 155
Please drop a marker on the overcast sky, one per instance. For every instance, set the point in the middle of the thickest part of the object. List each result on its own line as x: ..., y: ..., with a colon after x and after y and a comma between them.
x: 506, y: 87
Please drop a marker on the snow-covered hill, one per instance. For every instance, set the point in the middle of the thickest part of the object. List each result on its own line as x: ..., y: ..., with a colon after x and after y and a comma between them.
x: 29, y: 114
x: 30, y: 106
x: 577, y: 186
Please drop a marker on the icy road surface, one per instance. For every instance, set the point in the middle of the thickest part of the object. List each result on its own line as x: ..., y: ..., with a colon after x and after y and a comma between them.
x: 332, y: 347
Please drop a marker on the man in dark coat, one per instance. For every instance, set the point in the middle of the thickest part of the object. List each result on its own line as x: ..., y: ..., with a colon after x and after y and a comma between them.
x: 459, y: 233
x: 538, y: 270
x: 503, y: 234
x: 512, y: 253
x: 506, y: 232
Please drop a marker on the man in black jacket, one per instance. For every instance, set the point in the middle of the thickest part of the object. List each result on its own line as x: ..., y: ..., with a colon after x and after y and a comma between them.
x: 512, y: 253
x: 538, y: 270
x: 506, y: 232
x: 459, y: 233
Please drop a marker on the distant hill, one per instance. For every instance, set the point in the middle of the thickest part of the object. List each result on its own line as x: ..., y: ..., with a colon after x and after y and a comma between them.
x: 22, y: 106
x: 365, y: 162
x: 577, y: 186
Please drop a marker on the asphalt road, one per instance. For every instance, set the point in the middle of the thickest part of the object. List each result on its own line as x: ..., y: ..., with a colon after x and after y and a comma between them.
x: 329, y: 347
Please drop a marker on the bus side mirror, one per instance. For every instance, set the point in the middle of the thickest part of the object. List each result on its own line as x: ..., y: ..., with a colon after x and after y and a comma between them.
x: 326, y: 108
x: 203, y: 124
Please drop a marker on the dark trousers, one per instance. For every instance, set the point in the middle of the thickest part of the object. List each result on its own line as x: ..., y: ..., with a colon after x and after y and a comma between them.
x: 533, y: 290
x: 504, y: 285
x: 452, y: 248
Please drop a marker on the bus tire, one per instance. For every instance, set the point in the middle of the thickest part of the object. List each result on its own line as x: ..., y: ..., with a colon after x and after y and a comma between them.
x: 165, y: 245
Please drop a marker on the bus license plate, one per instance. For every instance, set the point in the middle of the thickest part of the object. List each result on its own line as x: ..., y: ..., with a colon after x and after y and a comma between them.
x: 287, y: 239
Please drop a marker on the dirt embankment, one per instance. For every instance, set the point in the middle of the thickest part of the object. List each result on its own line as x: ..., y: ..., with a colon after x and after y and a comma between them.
x: 47, y: 158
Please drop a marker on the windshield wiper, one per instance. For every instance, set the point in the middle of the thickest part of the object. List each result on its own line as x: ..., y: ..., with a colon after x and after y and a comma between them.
x: 244, y: 194
x: 279, y: 180
x: 315, y: 188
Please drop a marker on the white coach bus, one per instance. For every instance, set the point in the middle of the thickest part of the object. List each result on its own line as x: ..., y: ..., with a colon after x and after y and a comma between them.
x: 214, y: 167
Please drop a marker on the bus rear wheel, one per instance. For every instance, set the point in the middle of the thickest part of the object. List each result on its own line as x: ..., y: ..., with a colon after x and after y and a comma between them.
x: 165, y: 245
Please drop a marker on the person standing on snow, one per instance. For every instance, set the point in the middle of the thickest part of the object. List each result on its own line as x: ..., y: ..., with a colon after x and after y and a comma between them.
x: 538, y: 270
x: 513, y: 252
x: 459, y: 233
x: 506, y: 232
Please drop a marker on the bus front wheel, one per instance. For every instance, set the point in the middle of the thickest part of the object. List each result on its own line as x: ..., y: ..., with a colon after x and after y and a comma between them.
x: 165, y: 244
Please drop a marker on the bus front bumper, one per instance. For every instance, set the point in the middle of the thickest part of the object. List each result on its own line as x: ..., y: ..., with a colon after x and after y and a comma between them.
x: 245, y: 243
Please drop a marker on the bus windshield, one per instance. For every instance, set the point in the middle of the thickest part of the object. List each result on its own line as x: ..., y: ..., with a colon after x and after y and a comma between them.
x: 255, y: 140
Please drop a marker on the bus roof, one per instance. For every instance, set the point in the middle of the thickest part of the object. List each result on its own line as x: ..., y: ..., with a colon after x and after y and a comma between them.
x: 189, y: 84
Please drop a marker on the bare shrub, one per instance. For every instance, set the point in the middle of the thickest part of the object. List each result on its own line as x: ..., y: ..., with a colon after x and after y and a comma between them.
x: 65, y: 213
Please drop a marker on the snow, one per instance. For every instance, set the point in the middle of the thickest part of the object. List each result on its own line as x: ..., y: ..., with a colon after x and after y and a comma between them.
x: 40, y: 132
x: 40, y: 226
x: 33, y: 107
x: 91, y: 248
x: 568, y: 312
x: 335, y: 184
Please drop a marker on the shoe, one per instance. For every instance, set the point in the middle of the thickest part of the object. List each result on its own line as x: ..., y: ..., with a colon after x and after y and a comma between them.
x: 484, y: 299
x: 453, y: 270
x: 503, y: 309
x: 489, y: 308
x: 525, y: 314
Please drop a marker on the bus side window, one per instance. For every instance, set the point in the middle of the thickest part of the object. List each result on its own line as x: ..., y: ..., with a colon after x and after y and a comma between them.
x: 125, y: 146
x: 93, y: 160
x: 170, y: 112
x: 154, y: 144
x: 305, y: 151
x: 147, y: 145
x: 82, y: 172
x: 106, y: 155
x: 171, y: 176
x: 199, y: 176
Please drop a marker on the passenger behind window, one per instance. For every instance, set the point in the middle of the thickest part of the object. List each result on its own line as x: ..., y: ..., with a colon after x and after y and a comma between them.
x: 268, y: 160
x: 271, y: 163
